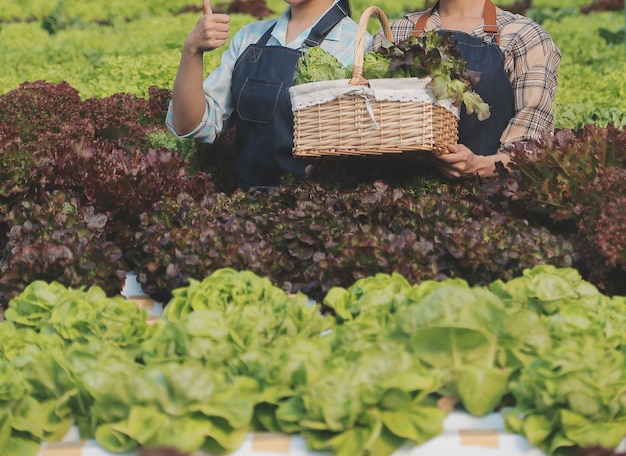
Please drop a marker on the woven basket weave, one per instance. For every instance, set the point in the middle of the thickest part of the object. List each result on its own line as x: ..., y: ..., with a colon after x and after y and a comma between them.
x: 355, y: 125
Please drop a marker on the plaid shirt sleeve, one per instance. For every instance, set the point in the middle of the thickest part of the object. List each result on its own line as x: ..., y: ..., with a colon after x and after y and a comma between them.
x: 531, y: 59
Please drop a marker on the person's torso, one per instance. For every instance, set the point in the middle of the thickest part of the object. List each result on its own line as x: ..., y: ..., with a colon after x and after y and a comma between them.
x: 480, y: 49
x: 262, y: 107
x: 483, y: 136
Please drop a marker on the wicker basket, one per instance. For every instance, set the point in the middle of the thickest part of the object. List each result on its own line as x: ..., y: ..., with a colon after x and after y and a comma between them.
x: 361, y: 123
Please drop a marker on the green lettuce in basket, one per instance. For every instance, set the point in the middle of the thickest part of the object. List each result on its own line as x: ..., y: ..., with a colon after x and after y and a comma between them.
x: 375, y: 66
x: 318, y: 65
x: 433, y: 55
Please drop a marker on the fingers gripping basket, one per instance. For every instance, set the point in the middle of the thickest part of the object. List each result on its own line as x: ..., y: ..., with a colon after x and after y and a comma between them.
x: 380, y: 116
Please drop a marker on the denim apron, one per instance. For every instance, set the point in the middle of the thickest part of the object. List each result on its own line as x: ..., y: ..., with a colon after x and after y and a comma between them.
x: 264, y: 135
x: 483, y: 54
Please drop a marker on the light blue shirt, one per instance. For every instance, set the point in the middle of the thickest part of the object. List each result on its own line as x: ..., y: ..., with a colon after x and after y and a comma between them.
x: 219, y: 105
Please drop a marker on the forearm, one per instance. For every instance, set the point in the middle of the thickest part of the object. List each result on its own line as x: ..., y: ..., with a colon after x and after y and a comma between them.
x: 485, y: 165
x: 462, y: 162
x: 188, y: 101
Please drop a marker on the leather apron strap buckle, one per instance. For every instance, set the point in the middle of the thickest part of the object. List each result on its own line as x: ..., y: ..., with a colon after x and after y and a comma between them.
x: 490, y: 25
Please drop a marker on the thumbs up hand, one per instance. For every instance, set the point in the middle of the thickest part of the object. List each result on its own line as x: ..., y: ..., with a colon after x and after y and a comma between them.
x: 210, y: 32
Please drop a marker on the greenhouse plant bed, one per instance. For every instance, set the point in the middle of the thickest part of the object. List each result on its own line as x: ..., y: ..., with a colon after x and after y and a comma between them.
x: 463, y: 435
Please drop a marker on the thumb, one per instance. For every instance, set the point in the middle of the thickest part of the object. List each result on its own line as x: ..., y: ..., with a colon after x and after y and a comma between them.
x: 206, y: 7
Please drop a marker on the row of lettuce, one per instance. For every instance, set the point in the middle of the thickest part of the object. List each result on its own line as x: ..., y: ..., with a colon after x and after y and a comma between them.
x: 139, y: 46
x: 97, y: 187
x: 91, y: 10
x: 233, y: 353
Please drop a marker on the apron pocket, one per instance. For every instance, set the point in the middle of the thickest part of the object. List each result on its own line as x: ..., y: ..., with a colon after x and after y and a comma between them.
x: 257, y: 100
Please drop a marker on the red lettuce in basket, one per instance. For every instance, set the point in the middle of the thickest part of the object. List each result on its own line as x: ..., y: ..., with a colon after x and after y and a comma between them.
x: 436, y: 55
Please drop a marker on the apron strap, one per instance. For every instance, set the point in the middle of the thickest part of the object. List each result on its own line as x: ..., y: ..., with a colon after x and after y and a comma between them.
x: 321, y: 29
x: 490, y: 25
x: 266, y: 36
x: 325, y: 25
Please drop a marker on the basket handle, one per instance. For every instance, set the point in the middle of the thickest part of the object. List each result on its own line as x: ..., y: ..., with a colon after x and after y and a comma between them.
x: 359, y: 51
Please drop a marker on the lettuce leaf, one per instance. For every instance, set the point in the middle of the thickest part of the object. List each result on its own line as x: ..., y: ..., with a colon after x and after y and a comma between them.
x: 318, y: 65
x: 574, y: 395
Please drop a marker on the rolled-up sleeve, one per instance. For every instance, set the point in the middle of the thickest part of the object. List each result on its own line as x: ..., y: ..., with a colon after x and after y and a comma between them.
x: 532, y: 60
x: 219, y: 106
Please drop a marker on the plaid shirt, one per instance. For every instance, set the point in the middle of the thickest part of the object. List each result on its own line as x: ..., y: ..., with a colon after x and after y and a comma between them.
x: 531, y: 59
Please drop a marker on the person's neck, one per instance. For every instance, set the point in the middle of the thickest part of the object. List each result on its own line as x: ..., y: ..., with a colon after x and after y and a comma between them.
x: 304, y: 15
x: 310, y: 10
x: 461, y: 8
x: 462, y: 15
